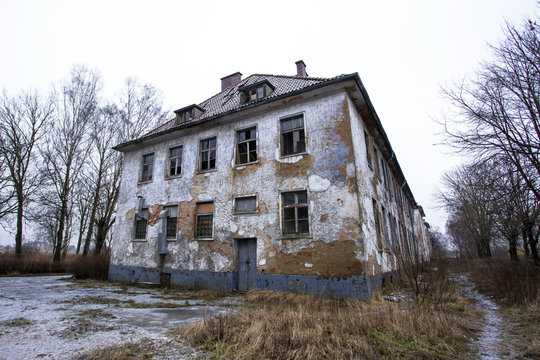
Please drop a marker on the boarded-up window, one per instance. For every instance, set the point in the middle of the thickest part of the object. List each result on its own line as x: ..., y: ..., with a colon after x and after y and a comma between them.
x: 245, y: 205
x: 295, y: 212
x: 377, y: 223
x: 205, y: 220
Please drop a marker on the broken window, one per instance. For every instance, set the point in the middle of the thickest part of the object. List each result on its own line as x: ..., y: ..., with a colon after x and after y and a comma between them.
x: 172, y: 221
x: 175, y: 161
x: 147, y: 167
x: 377, y: 162
x: 207, y: 155
x: 368, y: 155
x: 385, y: 225
x: 246, y: 146
x: 205, y: 220
x: 141, y: 224
x: 255, y: 91
x: 377, y: 223
x: 245, y: 205
x: 293, y: 138
x: 295, y: 212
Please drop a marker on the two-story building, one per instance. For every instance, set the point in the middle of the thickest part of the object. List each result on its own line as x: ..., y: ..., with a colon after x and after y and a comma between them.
x: 276, y: 182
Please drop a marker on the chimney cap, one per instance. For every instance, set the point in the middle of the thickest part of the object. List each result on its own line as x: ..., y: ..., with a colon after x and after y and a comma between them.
x: 236, y: 73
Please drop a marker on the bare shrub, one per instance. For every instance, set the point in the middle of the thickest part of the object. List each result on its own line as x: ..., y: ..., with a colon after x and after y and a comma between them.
x: 89, y: 267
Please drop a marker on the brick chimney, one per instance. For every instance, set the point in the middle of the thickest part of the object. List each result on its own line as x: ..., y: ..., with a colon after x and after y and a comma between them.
x: 229, y: 80
x: 301, y: 68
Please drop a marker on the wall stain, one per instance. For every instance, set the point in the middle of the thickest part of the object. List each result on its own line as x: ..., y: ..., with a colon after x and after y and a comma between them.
x: 297, y: 169
x: 332, y: 259
x: 153, y: 214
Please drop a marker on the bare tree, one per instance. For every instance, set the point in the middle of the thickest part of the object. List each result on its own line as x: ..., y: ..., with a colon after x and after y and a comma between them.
x: 67, y: 145
x: 498, y: 113
x: 22, y: 120
x: 469, y: 202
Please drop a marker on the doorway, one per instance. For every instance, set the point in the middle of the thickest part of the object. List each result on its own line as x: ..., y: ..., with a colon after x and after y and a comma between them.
x: 247, y: 264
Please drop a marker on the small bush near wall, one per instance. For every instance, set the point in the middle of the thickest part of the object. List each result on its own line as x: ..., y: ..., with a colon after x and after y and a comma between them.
x: 89, y: 267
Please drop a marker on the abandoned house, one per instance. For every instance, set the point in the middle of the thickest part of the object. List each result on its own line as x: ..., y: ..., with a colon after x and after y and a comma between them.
x: 277, y: 182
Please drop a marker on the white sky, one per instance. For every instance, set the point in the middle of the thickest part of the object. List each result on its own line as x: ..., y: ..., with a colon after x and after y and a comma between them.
x: 403, y: 51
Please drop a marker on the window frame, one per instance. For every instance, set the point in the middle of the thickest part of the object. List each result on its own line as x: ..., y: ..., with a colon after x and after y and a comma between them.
x: 237, y: 143
x: 169, y: 158
x: 199, y: 155
x: 295, y: 234
x: 281, y: 132
x: 368, y: 155
x: 141, y: 180
x: 137, y: 219
x: 197, y: 215
x: 255, y: 211
x: 173, y: 212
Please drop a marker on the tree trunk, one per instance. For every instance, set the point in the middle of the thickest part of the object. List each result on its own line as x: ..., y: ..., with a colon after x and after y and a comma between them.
x: 19, y: 233
x: 525, y: 239
x: 100, y: 236
x: 513, y: 250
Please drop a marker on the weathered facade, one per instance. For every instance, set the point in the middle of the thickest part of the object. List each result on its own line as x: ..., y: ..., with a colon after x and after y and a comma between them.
x: 277, y: 182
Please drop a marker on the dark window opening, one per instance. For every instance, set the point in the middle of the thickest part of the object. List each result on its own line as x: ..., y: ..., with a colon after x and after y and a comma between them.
x: 140, y: 229
x: 171, y: 227
x: 368, y: 155
x: 246, y: 204
x: 175, y: 161
x: 293, y: 139
x: 207, y: 155
x: 147, y: 167
x: 246, y: 146
x: 295, y: 212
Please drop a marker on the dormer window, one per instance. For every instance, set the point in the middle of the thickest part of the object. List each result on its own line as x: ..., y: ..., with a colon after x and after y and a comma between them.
x: 255, y: 91
x: 188, y: 113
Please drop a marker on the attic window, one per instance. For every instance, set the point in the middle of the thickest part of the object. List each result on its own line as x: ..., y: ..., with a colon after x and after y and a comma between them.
x: 255, y: 91
x: 188, y: 113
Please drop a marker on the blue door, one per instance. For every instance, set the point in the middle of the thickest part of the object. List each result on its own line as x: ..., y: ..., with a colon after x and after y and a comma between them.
x: 247, y: 264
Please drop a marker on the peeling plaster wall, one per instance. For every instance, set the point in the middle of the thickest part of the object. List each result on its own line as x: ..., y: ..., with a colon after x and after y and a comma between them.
x: 334, y: 171
x: 335, y: 245
x: 370, y: 186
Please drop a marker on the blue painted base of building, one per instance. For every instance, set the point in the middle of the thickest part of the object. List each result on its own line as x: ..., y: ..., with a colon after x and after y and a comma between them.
x: 356, y: 287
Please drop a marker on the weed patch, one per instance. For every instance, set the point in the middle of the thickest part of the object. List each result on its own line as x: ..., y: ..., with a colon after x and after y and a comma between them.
x: 17, y: 322
x: 275, y: 325
x: 140, y: 350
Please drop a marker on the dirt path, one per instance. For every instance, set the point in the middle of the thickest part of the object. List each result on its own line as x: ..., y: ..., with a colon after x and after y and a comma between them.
x: 494, y: 340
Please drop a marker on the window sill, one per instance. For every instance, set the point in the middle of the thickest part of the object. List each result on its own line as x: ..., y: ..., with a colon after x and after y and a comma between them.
x: 204, y: 239
x: 246, y: 213
x: 173, y: 177
x: 296, y: 236
x: 206, y: 171
x: 138, y: 240
x: 171, y: 239
x: 242, y: 166
x: 144, y: 182
x: 292, y: 155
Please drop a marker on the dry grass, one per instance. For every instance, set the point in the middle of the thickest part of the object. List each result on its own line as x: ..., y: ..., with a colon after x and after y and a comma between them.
x: 517, y: 288
x: 143, y: 349
x: 511, y: 283
x: 275, y: 325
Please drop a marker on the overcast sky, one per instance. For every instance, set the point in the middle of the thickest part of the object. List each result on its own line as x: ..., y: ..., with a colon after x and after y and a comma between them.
x: 404, y: 51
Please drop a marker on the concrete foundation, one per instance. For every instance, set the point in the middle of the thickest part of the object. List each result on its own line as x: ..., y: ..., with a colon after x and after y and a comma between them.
x: 355, y: 287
